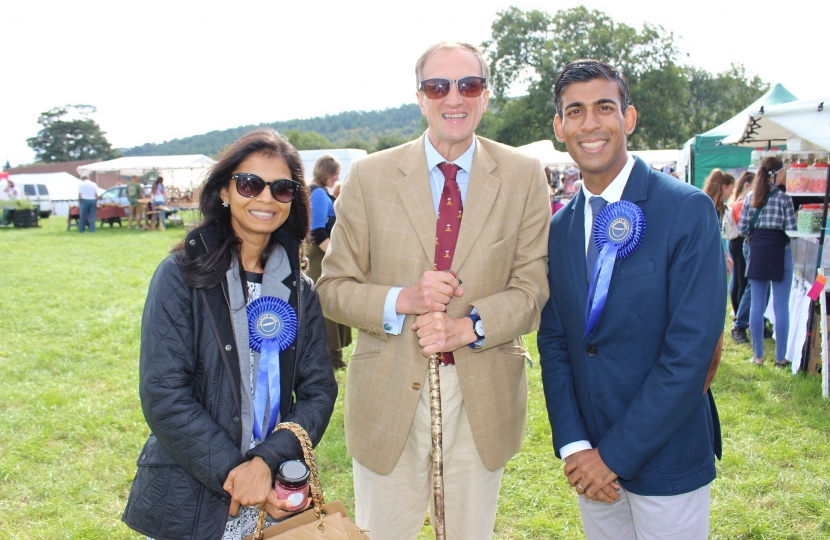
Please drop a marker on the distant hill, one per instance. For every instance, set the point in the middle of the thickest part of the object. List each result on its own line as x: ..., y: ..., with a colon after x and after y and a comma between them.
x: 402, y: 123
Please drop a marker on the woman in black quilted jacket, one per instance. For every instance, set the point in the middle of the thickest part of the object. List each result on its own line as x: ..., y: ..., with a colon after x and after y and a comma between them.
x: 232, y: 342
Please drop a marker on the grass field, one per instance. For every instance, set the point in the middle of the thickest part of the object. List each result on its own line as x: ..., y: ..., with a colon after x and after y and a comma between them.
x: 71, y: 426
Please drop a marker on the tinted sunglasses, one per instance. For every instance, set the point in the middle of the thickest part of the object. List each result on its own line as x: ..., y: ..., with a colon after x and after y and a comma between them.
x: 250, y: 185
x: 469, y: 87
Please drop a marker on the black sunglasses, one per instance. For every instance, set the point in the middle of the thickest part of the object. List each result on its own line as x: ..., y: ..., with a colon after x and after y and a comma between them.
x: 469, y: 87
x: 250, y: 185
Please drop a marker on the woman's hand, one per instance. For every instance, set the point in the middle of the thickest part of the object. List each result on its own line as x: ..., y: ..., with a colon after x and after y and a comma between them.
x: 276, y: 508
x: 249, y: 484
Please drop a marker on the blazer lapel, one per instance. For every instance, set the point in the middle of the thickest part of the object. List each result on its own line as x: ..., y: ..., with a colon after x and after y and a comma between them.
x: 416, y: 195
x: 576, y: 247
x: 637, y: 186
x: 481, y: 195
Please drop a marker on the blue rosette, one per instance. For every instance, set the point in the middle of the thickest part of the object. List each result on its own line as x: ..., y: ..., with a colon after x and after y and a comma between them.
x: 618, y: 231
x: 272, y: 328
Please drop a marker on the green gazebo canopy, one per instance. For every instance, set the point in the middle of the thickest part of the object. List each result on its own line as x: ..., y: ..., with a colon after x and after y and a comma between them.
x: 708, y: 154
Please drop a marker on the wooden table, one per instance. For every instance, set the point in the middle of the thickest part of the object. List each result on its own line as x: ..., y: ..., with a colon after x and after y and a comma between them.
x: 106, y: 214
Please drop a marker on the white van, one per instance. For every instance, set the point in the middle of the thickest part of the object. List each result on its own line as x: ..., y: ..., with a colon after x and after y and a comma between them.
x: 39, y: 195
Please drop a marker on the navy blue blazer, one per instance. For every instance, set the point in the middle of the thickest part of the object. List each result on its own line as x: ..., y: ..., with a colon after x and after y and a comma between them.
x: 634, y: 387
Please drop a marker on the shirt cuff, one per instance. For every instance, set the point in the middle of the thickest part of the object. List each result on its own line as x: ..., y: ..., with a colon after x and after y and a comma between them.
x: 392, y: 320
x: 573, y: 448
x: 479, y: 343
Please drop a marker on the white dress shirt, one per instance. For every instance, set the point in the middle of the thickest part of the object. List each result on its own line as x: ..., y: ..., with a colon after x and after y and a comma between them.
x: 392, y: 320
x: 612, y: 193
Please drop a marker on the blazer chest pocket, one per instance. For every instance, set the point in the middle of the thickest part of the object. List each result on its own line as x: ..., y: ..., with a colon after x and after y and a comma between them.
x: 496, y: 250
x: 630, y: 272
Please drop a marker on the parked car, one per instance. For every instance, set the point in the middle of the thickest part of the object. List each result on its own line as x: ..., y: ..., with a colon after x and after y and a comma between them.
x: 117, y: 195
x: 39, y: 195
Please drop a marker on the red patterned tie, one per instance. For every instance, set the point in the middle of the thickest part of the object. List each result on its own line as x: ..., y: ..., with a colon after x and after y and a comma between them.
x: 447, y: 227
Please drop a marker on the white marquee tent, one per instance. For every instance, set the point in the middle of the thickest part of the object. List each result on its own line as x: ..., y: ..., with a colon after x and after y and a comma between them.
x: 807, y: 119
x: 545, y: 152
x: 184, y: 172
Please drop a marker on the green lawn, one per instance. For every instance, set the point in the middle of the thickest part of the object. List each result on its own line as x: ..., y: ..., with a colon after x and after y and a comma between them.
x: 71, y: 425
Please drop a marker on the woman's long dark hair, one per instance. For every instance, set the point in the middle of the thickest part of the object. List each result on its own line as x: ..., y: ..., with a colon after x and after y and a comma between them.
x: 208, y: 269
x: 762, y: 180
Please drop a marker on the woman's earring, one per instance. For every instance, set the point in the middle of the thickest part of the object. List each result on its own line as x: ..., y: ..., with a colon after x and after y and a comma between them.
x: 225, y: 204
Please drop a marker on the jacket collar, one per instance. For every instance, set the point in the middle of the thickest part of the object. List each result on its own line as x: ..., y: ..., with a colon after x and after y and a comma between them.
x: 636, y: 190
x: 205, y: 238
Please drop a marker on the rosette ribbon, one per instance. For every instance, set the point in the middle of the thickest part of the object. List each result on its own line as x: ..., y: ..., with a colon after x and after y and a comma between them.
x: 618, y: 231
x: 272, y: 327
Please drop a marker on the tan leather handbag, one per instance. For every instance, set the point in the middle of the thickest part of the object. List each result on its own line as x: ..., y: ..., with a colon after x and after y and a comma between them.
x: 320, y: 522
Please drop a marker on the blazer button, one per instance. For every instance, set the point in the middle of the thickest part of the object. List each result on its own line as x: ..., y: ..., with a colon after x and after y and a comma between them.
x: 592, y: 351
x: 228, y: 347
x: 416, y: 386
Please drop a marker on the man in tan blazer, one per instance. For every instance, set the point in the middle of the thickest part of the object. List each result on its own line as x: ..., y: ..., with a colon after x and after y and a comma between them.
x: 378, y: 277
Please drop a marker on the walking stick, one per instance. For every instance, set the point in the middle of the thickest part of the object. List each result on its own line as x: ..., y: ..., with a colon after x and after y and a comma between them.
x: 437, y: 452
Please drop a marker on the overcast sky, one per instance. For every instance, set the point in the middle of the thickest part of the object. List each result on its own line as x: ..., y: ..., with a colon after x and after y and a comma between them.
x: 163, y: 70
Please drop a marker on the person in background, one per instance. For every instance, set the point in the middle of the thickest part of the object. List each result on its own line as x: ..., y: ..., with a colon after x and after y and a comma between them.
x: 11, y: 192
x: 767, y: 213
x: 134, y: 192
x: 159, y: 194
x: 88, y: 202
x: 719, y: 186
x: 739, y: 292
x: 211, y: 455
x: 569, y: 182
x: 326, y: 175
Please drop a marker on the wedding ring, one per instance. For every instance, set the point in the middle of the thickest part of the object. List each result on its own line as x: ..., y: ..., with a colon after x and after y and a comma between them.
x: 580, y: 486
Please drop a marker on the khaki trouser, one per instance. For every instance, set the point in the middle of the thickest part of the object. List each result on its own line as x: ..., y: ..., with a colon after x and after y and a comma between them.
x: 393, y: 506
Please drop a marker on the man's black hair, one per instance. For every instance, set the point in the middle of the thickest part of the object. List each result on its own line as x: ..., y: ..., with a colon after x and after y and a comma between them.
x: 585, y: 70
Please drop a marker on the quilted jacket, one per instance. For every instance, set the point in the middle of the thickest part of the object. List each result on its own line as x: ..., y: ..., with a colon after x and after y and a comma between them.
x: 190, y: 394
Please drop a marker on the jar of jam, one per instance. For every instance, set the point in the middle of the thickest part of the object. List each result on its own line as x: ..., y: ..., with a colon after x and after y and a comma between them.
x: 291, y: 484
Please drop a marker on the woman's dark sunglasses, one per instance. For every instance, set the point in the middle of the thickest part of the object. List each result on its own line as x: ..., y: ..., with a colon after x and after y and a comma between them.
x: 250, y: 185
x: 469, y: 87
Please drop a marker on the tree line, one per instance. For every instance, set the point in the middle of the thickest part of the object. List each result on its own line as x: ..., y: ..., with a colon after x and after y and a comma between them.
x: 675, y: 101
x: 527, y: 49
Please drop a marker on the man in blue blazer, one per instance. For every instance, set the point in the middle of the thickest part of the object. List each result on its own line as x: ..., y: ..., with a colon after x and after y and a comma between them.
x: 629, y: 402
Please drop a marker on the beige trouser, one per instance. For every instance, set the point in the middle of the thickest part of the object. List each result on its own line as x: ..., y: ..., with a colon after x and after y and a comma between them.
x: 639, y: 517
x: 393, y: 506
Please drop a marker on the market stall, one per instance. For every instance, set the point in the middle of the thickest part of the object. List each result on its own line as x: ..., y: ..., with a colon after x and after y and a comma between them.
x: 184, y: 173
x: 707, y: 151
x: 804, y: 126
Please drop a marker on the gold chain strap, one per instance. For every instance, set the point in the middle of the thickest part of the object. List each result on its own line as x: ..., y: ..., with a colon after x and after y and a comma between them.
x: 316, y: 488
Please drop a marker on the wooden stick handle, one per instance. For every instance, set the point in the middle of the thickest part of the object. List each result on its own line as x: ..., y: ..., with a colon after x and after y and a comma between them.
x: 437, y: 451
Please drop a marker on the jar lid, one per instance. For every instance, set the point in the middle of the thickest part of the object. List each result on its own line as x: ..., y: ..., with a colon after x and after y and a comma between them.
x: 293, y: 473
x: 798, y: 166
x: 822, y: 165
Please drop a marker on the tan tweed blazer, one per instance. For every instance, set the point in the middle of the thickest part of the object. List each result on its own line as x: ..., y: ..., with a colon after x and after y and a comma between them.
x: 385, y: 237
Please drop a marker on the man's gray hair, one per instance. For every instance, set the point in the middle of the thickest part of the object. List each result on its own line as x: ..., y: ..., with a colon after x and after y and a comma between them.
x: 441, y: 45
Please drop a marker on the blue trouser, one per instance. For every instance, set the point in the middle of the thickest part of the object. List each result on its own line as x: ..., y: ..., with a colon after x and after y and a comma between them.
x: 780, y: 305
x: 742, y: 316
x: 88, y: 209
